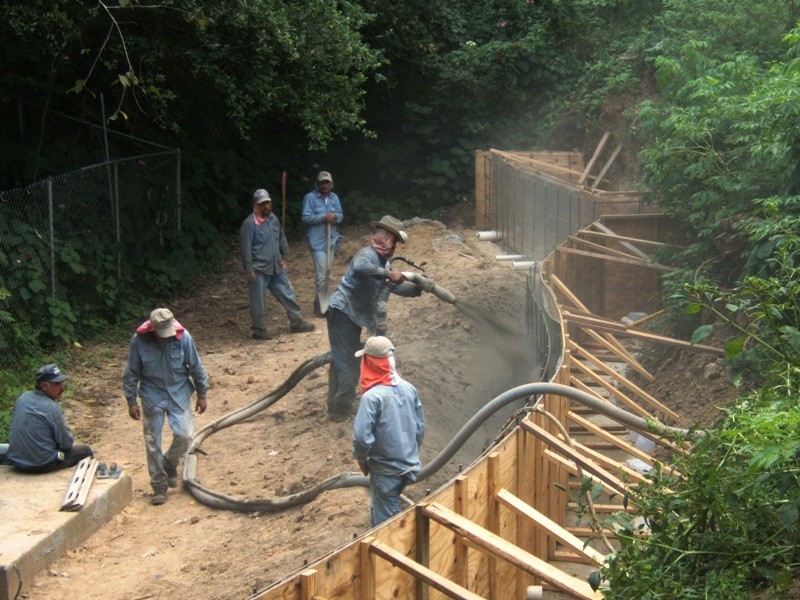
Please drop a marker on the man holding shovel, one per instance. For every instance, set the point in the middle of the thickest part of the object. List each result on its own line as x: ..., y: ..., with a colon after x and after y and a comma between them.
x: 321, y: 213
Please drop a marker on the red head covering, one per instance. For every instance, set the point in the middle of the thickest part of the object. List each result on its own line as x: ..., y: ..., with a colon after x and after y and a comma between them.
x: 147, y: 327
x: 377, y: 371
x: 384, y: 242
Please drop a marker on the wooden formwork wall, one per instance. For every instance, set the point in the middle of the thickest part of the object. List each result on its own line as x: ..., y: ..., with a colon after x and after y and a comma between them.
x: 518, y: 465
x: 619, y: 290
x: 565, y: 166
x: 484, y: 208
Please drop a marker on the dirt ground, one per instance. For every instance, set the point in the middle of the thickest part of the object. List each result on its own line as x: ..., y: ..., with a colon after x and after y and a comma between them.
x: 184, y: 549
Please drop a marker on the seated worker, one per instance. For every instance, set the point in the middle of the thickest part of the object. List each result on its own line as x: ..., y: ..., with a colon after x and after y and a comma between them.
x: 40, y: 440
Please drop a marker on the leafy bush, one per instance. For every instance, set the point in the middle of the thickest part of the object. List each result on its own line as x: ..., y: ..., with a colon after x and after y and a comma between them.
x: 730, y: 522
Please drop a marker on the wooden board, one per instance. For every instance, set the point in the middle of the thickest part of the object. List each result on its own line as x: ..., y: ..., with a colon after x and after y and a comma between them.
x: 486, y: 540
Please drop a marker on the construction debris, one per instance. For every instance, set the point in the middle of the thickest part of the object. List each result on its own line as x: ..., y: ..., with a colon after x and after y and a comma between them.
x: 79, y: 484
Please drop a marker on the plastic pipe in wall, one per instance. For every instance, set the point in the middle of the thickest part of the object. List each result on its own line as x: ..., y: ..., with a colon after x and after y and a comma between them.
x: 509, y: 257
x: 522, y: 265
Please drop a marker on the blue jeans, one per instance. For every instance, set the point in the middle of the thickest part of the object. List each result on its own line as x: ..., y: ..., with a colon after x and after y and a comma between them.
x: 281, y: 288
x: 320, y: 260
x: 345, y: 339
x: 182, y: 425
x: 384, y: 493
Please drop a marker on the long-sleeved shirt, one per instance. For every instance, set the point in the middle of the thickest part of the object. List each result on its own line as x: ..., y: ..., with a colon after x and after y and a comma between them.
x: 263, y: 246
x: 38, y: 431
x: 389, y: 428
x: 163, y: 372
x: 315, y: 207
x: 357, y: 294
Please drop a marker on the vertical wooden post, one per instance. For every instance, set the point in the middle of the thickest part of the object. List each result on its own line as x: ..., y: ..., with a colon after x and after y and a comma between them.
x: 308, y: 584
x: 560, y: 410
x: 367, y: 569
x: 539, y: 500
x: 461, y: 488
x: 480, y: 190
x: 423, y: 532
x: 492, y: 472
x: 522, y: 526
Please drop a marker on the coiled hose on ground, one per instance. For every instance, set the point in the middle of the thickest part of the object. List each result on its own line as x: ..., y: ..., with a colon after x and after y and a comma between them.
x: 219, y: 500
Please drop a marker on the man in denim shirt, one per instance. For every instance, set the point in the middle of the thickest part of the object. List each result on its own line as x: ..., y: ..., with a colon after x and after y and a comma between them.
x: 321, y: 212
x: 388, y: 430
x: 264, y: 250
x: 164, y: 369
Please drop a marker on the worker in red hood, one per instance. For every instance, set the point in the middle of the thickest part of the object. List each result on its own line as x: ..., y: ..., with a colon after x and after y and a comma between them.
x: 164, y: 369
x: 388, y: 429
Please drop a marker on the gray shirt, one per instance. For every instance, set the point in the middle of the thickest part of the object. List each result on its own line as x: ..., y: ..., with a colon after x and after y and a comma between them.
x: 38, y: 431
x: 388, y: 430
x: 164, y: 373
x: 263, y: 246
x: 365, y: 278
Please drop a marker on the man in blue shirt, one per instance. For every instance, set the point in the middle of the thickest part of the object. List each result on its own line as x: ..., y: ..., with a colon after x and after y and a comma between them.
x: 40, y: 440
x: 353, y: 306
x: 322, y: 211
x: 388, y: 430
x: 264, y: 250
x: 164, y: 369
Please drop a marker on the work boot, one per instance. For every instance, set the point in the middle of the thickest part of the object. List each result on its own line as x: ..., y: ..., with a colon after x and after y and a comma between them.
x: 159, y: 497
x: 172, y: 477
x: 261, y: 334
x: 338, y: 417
x: 317, y: 311
x: 302, y: 326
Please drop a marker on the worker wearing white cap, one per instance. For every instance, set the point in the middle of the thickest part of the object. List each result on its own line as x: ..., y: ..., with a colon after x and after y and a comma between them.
x: 388, y: 429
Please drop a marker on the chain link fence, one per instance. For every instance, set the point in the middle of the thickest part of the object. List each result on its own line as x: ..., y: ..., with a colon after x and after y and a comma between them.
x: 71, y: 240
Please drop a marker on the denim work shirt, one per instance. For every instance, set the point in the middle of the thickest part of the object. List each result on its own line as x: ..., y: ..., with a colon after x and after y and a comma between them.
x: 263, y: 246
x: 314, y: 210
x: 38, y: 431
x: 159, y: 371
x: 389, y: 429
x: 357, y: 294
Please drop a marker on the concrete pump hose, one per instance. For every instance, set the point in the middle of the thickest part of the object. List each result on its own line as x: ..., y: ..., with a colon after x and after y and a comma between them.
x: 535, y: 389
x: 428, y: 285
x: 350, y: 479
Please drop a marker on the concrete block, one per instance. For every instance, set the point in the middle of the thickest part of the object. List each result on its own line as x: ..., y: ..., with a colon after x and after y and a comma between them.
x: 34, y: 532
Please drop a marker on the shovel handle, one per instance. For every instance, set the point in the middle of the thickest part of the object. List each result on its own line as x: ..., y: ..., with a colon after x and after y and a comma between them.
x: 329, y: 249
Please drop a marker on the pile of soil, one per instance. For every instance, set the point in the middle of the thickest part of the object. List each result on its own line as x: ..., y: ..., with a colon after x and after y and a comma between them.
x: 457, y: 362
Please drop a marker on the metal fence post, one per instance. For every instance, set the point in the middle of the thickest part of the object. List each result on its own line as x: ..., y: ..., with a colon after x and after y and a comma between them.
x: 50, y: 237
x: 178, y: 189
x: 116, y: 221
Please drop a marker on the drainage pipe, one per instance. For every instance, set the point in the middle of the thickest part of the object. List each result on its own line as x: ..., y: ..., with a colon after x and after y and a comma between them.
x: 522, y: 265
x: 489, y: 236
x: 501, y: 257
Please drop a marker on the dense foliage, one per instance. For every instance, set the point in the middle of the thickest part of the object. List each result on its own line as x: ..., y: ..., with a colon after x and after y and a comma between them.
x: 720, y: 154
